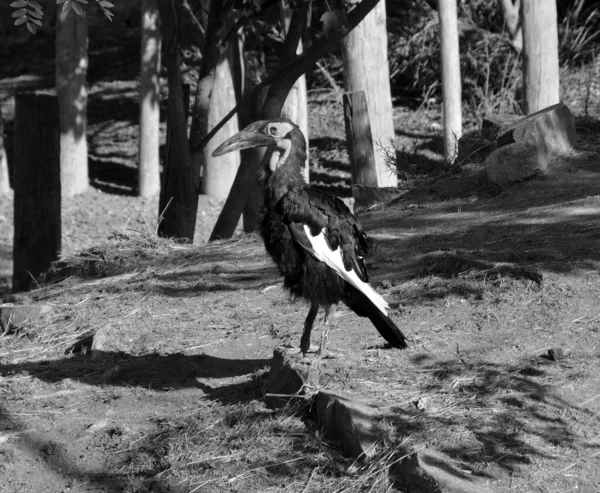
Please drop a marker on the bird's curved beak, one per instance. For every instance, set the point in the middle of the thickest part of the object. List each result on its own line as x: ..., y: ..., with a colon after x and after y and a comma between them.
x: 250, y: 137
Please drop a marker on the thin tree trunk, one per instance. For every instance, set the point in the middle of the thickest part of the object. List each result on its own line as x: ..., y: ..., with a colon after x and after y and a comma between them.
x: 366, y: 68
x: 219, y: 173
x: 179, y: 194
x: 4, y: 176
x: 540, y: 50
x: 297, y: 100
x: 71, y: 71
x: 359, y: 140
x: 149, y: 162
x: 451, y: 83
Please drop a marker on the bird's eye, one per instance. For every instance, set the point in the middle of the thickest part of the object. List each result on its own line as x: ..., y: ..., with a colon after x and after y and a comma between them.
x: 272, y: 130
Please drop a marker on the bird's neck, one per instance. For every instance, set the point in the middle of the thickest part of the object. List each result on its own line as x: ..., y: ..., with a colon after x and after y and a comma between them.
x: 281, y: 181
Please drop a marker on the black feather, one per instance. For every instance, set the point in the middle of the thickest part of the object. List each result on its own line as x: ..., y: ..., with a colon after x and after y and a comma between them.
x: 290, y: 205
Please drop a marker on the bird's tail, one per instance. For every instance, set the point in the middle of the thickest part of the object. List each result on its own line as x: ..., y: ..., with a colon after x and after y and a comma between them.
x: 388, y: 329
x: 363, y: 306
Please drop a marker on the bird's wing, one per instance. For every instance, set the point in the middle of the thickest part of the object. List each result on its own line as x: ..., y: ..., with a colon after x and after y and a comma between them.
x: 325, y: 228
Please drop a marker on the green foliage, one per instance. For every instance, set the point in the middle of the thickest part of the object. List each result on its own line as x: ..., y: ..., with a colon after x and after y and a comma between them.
x: 28, y: 12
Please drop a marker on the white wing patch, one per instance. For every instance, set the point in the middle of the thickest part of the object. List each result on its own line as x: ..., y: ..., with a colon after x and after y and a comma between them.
x: 322, y: 252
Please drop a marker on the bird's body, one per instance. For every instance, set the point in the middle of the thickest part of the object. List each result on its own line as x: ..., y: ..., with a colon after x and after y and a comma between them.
x: 314, y: 239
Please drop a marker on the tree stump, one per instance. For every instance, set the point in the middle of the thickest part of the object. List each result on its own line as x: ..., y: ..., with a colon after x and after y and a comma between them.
x: 529, y: 145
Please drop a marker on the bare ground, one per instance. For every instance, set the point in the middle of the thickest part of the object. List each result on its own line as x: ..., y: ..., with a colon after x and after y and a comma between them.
x: 148, y: 374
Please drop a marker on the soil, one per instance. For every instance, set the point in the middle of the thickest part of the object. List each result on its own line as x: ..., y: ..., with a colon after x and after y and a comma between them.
x: 148, y: 374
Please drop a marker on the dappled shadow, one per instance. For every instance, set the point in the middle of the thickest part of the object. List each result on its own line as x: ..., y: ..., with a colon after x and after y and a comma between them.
x: 515, y: 416
x: 42, y: 449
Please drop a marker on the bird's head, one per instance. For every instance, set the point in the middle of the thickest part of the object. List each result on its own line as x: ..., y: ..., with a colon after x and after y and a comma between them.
x: 280, y: 135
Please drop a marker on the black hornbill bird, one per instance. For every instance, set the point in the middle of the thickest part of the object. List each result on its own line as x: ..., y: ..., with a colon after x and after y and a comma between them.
x: 313, y: 237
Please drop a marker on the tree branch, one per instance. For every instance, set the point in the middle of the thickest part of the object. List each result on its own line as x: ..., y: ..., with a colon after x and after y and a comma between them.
x: 297, y: 66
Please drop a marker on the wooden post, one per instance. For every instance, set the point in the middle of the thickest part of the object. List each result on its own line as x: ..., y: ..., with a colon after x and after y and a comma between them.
x: 540, y: 55
x: 71, y: 71
x: 366, y: 68
x: 4, y: 176
x: 37, y: 238
x: 359, y: 140
x: 450, y: 78
x: 149, y: 167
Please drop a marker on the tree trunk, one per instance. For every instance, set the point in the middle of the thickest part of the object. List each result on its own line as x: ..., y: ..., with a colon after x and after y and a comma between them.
x: 220, y: 172
x: 282, y: 83
x: 179, y: 194
x: 451, y: 84
x: 296, y: 105
x: 540, y: 50
x: 149, y: 162
x: 359, y: 140
x: 4, y: 176
x: 217, y: 93
x: 37, y: 239
x: 71, y: 71
x: 512, y: 19
x: 365, y: 58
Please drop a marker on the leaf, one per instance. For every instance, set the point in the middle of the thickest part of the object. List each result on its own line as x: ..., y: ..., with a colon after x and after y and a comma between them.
x: 19, y: 13
x: 21, y: 20
x: 82, y: 1
x: 77, y: 8
x: 35, y: 13
x: 58, y: 2
x: 35, y: 21
x: 35, y: 5
x: 66, y: 6
x: 106, y: 5
x: 31, y: 28
x: 18, y: 4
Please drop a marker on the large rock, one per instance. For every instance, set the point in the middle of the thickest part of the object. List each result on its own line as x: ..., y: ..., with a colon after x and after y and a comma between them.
x: 528, y: 145
x: 291, y: 374
x: 13, y: 315
x: 428, y: 471
x: 348, y: 421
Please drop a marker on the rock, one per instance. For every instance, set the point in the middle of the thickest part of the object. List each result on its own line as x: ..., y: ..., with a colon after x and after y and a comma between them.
x: 13, y: 315
x: 98, y: 426
x: 551, y: 130
x: 290, y: 374
x: 554, y: 354
x: 528, y: 146
x: 428, y: 471
x: 513, y: 163
x: 494, y: 125
x: 349, y: 421
x: 111, y: 339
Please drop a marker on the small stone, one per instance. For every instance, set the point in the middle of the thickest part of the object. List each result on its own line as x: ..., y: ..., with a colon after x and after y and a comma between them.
x: 98, y: 425
x: 555, y: 354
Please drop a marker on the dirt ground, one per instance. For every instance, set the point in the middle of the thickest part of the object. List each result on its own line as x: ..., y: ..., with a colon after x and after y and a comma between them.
x: 148, y: 373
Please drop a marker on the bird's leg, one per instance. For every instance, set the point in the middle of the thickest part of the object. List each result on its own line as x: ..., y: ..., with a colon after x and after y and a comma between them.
x: 308, y: 325
x: 329, y: 313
